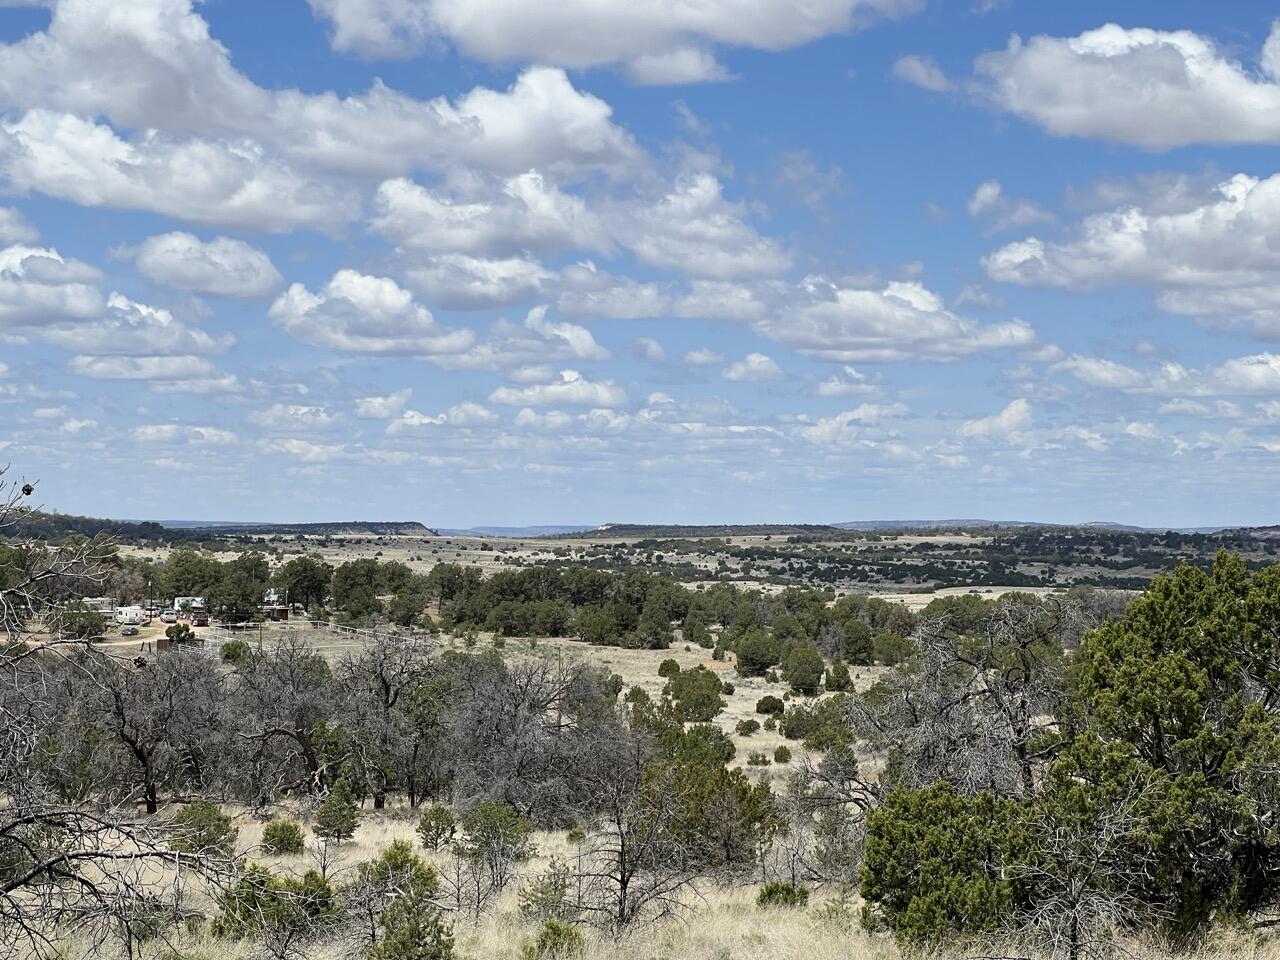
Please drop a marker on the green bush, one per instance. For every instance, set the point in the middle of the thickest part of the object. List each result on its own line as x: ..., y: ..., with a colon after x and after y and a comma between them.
x: 398, y: 889
x: 555, y: 941
x: 704, y: 745
x: 782, y: 754
x: 757, y: 758
x: 757, y: 652
x: 339, y: 814
x: 890, y: 648
x: 498, y: 837
x: 779, y: 893
x: 413, y: 931
x: 695, y: 631
x: 546, y: 897
x: 820, y: 725
x: 262, y: 903
x: 803, y: 669
x: 727, y: 688
x: 180, y: 633
x: 858, y: 647
x: 957, y: 841
x: 436, y: 827
x: 771, y: 705
x: 668, y: 668
x: 282, y: 836
x: 77, y: 621
x: 235, y: 651
x: 202, y: 827
x: 696, y: 694
x: 746, y: 728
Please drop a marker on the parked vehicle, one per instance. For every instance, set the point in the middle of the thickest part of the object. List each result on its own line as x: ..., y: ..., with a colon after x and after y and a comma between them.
x: 129, y: 632
x: 168, y: 616
x: 199, y: 618
x: 130, y: 615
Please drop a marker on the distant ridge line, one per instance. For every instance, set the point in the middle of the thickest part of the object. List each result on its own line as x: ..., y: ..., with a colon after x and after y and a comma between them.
x: 382, y: 527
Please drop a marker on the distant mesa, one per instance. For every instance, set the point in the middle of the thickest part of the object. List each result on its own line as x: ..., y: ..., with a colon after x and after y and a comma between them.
x: 382, y: 528
x: 49, y: 526
x: 937, y: 525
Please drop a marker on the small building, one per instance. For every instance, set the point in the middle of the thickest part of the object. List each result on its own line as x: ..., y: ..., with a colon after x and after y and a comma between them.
x: 188, y: 603
x: 103, y: 605
x: 275, y: 611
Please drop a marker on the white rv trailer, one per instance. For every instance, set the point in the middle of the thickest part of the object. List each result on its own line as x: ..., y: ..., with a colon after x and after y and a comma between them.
x: 131, y: 616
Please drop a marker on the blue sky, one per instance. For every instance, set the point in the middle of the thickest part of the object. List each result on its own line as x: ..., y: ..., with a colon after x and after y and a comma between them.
x: 491, y: 261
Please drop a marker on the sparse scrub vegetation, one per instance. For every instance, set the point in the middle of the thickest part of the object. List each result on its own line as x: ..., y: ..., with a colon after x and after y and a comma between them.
x: 782, y: 893
x: 436, y: 827
x: 1055, y: 775
x: 201, y: 827
x: 283, y: 837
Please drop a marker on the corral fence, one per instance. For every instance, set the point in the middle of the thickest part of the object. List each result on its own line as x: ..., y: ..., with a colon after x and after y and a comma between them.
x: 325, y: 637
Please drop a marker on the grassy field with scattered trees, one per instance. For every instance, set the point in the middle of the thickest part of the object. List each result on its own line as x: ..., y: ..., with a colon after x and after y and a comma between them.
x: 1071, y: 774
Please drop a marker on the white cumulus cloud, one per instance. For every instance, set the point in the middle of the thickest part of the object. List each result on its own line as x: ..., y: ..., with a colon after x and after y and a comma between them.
x: 222, y: 266
x: 922, y: 71
x: 1006, y: 424
x: 754, y: 366
x: 666, y: 41
x: 572, y: 389
x: 358, y: 313
x: 1216, y: 260
x: 383, y: 407
x: 1153, y: 88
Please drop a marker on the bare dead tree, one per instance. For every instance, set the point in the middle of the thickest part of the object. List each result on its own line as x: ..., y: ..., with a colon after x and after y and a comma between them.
x: 825, y: 807
x: 970, y: 706
x: 515, y: 732
x: 282, y: 697
x: 376, y: 688
x: 150, y: 712
x: 469, y: 885
x: 636, y: 865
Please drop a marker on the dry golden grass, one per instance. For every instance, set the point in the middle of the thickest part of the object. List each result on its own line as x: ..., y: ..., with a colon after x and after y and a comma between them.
x: 720, y: 922
x: 724, y: 924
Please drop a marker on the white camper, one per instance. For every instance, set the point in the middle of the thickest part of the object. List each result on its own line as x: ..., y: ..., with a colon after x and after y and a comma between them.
x: 132, y: 616
x: 103, y: 605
